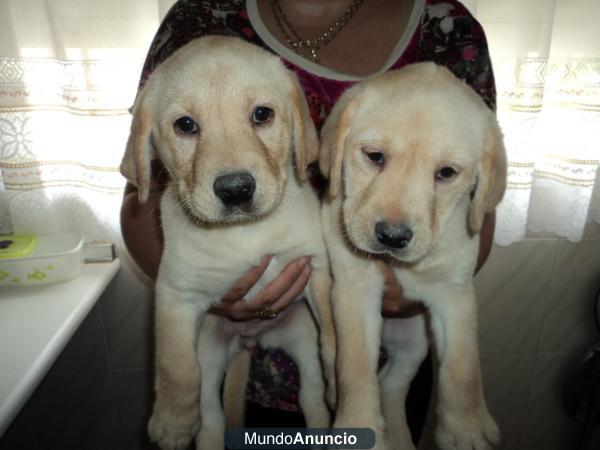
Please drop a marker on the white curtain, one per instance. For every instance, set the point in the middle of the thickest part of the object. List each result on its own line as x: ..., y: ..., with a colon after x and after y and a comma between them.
x: 546, y: 56
x: 69, y: 70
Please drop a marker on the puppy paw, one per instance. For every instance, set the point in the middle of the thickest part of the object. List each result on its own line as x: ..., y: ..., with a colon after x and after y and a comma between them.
x: 173, y: 431
x: 210, y: 438
x: 472, y: 432
x: 381, y: 440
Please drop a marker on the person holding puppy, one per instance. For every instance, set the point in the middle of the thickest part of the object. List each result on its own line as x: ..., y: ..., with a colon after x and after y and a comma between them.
x: 330, y: 45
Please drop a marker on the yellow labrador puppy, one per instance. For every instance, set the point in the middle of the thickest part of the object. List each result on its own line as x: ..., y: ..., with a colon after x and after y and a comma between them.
x: 231, y: 126
x: 415, y: 159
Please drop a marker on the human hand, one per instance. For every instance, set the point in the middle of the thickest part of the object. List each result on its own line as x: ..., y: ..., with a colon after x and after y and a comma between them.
x: 277, y: 295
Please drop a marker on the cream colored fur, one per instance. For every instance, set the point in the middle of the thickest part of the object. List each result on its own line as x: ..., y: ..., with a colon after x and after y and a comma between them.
x: 421, y: 118
x: 218, y: 81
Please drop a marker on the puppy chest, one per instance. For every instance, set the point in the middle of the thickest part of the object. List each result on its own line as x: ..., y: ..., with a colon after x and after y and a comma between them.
x: 430, y: 284
x: 212, y: 260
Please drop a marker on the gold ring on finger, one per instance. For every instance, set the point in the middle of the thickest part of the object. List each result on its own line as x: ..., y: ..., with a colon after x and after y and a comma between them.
x: 266, y: 313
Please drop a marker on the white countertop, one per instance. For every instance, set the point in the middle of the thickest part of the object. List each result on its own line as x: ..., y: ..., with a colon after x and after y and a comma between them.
x: 35, y: 325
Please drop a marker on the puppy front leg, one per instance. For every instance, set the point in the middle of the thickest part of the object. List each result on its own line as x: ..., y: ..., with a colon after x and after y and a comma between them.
x: 212, y: 357
x: 358, y: 321
x: 320, y: 289
x: 175, y: 417
x: 405, y: 342
x: 464, y: 420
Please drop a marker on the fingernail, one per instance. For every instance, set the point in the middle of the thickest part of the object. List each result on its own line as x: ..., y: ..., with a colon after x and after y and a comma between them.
x: 305, y: 261
x: 265, y: 259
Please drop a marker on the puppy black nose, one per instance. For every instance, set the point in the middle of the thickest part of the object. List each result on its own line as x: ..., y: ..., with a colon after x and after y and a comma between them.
x: 395, y: 235
x: 235, y: 188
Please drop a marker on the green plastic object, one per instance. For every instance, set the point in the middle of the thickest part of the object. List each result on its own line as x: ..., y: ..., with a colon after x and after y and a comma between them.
x: 16, y: 246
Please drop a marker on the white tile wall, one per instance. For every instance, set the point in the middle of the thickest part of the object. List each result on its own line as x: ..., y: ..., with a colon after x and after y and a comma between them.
x: 127, y: 306
x: 568, y: 324
x: 545, y: 424
x: 536, y: 306
x: 77, y: 410
x: 592, y: 230
x: 134, y: 399
x: 512, y: 289
x: 507, y: 379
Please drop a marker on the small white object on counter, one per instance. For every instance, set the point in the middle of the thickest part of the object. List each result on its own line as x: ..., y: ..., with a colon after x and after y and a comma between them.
x: 54, y: 258
x: 36, y: 322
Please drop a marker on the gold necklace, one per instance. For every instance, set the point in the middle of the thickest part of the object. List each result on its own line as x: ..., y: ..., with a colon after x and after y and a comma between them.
x: 308, y: 48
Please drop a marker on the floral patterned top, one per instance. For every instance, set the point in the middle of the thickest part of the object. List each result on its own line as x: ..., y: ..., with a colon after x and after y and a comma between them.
x: 444, y: 32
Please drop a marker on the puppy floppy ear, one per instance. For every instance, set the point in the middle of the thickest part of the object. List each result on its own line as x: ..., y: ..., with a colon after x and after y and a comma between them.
x: 333, y: 138
x: 139, y: 151
x: 491, y: 179
x: 306, y: 142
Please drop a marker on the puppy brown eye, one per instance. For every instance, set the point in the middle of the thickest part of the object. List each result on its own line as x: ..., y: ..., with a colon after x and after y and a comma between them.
x: 186, y: 125
x: 445, y: 173
x: 377, y: 158
x: 262, y: 115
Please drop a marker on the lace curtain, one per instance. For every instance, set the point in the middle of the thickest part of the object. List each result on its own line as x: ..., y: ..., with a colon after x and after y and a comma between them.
x: 546, y: 56
x: 68, y: 71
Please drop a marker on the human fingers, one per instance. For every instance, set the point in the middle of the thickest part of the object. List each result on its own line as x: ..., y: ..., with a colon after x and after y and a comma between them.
x: 282, y: 290
x: 293, y: 292
x: 287, y: 280
x: 237, y: 312
x: 243, y: 285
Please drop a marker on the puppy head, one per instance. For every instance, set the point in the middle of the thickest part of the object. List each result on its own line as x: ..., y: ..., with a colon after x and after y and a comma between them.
x: 229, y: 122
x: 407, y: 148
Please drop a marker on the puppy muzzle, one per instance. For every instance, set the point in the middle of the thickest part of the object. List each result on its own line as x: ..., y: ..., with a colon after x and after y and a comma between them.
x: 235, y: 190
x: 394, y: 235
